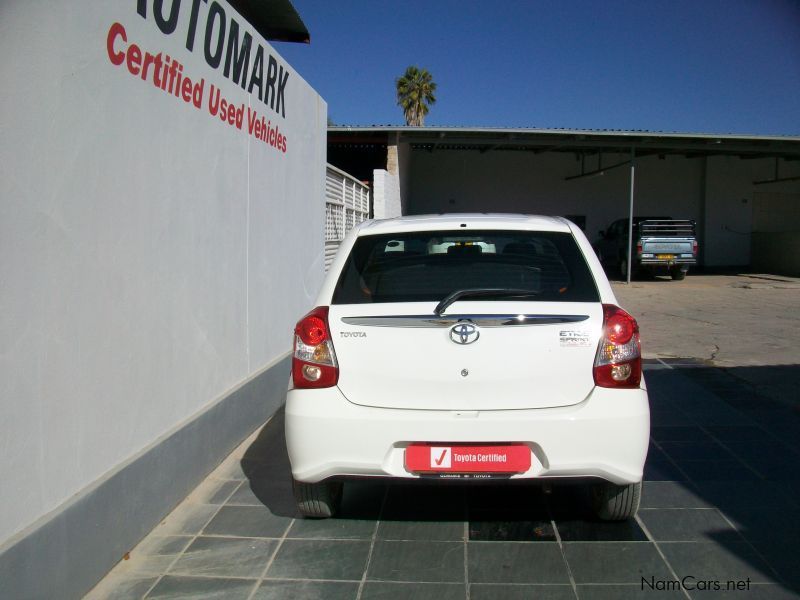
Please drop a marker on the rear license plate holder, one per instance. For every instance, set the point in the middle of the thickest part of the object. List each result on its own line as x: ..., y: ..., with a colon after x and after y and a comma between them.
x: 431, y: 458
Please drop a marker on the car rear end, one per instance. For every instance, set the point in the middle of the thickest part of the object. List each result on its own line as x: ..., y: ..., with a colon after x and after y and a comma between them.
x: 668, y: 243
x: 528, y: 371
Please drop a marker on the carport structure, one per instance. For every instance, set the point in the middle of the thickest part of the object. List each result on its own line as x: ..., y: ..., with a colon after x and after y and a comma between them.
x: 743, y: 191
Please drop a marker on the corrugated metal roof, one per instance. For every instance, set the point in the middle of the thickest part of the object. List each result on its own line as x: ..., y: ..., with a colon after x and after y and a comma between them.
x: 556, y: 130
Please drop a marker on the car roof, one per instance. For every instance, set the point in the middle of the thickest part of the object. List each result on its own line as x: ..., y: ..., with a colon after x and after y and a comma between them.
x: 464, y: 221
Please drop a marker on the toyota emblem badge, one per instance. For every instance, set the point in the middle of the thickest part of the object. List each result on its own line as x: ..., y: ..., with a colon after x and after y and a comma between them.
x: 464, y: 333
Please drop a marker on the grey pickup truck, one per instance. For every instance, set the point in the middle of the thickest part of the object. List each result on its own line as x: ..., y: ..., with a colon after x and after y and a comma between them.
x: 659, y: 243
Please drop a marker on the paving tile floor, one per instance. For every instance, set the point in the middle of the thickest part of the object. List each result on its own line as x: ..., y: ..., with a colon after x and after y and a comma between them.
x: 720, y: 503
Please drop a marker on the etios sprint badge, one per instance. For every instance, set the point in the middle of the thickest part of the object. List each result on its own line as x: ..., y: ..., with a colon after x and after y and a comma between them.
x: 573, y: 338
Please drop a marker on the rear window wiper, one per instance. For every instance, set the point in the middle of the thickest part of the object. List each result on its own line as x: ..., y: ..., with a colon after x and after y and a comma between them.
x: 475, y: 292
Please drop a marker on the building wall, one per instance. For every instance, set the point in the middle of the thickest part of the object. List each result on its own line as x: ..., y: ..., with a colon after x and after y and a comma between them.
x: 386, y: 200
x: 143, y: 242
x: 729, y: 200
x: 717, y: 191
x: 498, y: 181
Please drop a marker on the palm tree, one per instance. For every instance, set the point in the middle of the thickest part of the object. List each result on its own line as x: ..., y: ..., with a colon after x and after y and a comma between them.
x: 415, y: 94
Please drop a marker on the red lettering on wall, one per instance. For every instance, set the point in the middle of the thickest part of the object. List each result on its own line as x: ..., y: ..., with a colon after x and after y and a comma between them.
x: 116, y: 30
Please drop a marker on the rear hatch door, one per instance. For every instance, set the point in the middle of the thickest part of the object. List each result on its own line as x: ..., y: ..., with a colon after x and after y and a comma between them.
x: 520, y: 355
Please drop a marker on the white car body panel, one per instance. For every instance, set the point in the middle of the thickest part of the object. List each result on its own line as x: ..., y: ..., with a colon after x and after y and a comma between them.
x: 605, y: 436
x: 508, y: 367
x: 524, y: 384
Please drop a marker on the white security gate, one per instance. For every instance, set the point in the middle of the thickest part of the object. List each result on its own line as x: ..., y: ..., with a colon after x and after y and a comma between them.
x: 346, y: 205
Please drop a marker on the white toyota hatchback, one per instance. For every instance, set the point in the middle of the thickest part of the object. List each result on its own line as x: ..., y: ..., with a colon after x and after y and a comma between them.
x: 467, y: 346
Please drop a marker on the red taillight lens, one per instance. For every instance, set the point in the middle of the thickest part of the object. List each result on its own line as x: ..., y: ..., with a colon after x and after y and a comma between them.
x: 312, y: 329
x: 619, y: 326
x: 639, y: 247
x: 694, y: 247
x: 618, y: 362
x: 314, y: 360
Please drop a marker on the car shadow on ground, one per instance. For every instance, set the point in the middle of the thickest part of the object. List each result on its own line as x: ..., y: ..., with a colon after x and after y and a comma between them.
x: 720, y: 499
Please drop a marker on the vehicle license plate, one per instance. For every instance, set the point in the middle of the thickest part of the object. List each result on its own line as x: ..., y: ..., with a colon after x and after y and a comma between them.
x: 459, y: 458
x: 665, y: 256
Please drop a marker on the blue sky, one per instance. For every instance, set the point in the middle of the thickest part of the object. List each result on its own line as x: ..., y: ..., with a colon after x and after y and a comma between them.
x: 712, y: 66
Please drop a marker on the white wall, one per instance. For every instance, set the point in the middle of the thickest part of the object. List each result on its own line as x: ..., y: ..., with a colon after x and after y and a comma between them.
x: 498, y: 181
x: 142, y: 243
x: 717, y: 192
x: 729, y: 193
x: 386, y: 202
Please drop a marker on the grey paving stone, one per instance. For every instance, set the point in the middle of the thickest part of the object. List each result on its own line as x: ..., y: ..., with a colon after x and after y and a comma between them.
x: 717, y: 416
x: 121, y: 588
x: 634, y: 591
x: 225, y: 557
x: 421, y: 530
x: 214, y: 491
x: 187, y: 519
x: 745, y: 433
x: 660, y: 468
x: 717, y: 470
x: 614, y: 562
x: 320, y: 559
x: 354, y: 529
x: 307, y: 590
x: 247, y: 521
x: 783, y: 557
x: 737, y: 497
x: 517, y: 530
x: 755, y: 591
x: 672, y: 494
x: 492, y: 591
x: 696, y: 450
x: 201, y: 588
x: 160, y: 545
x: 685, y: 433
x: 598, y: 531
x: 381, y: 590
x: 687, y: 525
x: 705, y: 560
x: 143, y: 565
x: 670, y: 418
x: 417, y: 561
x: 513, y: 562
x: 767, y: 525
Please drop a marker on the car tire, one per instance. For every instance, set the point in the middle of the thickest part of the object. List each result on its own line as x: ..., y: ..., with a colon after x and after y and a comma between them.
x: 318, y: 500
x: 677, y: 273
x: 611, y: 502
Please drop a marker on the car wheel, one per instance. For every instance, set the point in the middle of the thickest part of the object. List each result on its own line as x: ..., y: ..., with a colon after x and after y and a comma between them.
x: 677, y: 273
x: 611, y: 502
x: 319, y: 500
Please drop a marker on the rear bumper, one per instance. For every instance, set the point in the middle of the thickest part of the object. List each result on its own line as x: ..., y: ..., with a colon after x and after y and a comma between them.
x: 667, y: 263
x: 604, y: 436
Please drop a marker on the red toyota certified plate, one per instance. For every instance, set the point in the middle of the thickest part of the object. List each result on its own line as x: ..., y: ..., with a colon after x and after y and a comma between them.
x: 434, y: 458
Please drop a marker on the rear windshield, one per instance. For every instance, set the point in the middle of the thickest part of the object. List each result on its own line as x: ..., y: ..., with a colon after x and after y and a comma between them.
x: 427, y: 266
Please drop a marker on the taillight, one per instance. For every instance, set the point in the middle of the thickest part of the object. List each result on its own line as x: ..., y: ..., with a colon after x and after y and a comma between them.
x: 618, y: 363
x: 694, y: 247
x: 314, y: 360
x: 639, y: 248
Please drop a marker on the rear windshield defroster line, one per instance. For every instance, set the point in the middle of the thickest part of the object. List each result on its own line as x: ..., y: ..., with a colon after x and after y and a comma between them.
x: 430, y: 265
